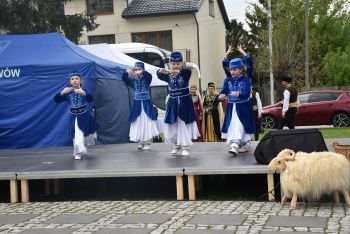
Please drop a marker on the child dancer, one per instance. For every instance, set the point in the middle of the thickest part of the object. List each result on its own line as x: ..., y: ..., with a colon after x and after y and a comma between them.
x: 82, y: 125
x: 142, y: 116
x: 180, y: 119
x: 239, y: 118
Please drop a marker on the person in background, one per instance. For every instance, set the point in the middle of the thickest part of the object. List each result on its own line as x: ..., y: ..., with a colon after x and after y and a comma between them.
x: 142, y: 117
x: 157, y: 139
x: 290, y: 103
x: 82, y: 126
x: 212, y: 115
x: 258, y: 110
x: 198, y: 109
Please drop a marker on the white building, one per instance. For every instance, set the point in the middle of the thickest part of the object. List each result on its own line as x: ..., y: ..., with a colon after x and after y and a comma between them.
x: 195, y: 27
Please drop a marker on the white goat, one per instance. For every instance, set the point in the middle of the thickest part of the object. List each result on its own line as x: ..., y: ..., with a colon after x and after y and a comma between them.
x: 310, y: 175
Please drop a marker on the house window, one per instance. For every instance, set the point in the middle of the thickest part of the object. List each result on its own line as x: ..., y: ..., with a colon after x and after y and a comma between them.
x: 161, y: 39
x: 109, y: 39
x: 212, y: 8
x: 99, y: 7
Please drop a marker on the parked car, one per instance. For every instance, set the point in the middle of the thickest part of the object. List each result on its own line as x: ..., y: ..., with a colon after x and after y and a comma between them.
x: 316, y: 108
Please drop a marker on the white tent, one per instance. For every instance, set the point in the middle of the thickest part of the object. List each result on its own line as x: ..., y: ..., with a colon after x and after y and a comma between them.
x: 106, y: 52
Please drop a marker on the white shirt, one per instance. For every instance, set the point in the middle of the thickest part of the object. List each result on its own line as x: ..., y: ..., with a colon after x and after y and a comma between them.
x: 258, y: 101
x: 286, y: 97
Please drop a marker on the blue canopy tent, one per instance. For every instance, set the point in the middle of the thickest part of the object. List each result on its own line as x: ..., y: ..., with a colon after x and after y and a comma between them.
x: 33, y: 69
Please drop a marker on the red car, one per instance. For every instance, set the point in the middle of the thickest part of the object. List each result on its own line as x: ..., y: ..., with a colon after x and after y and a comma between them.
x: 316, y: 108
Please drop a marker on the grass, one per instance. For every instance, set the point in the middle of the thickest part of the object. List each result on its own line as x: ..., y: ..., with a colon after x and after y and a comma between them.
x: 326, y: 132
x: 335, y: 132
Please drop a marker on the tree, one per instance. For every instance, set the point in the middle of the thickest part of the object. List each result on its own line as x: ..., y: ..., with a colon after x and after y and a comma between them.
x: 41, y: 16
x: 329, y: 29
x: 238, y: 35
x: 336, y: 67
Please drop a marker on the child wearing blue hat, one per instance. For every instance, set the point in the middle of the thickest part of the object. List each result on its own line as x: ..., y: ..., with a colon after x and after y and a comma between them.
x: 82, y: 125
x: 247, y: 60
x: 180, y: 119
x: 239, y: 121
x: 142, y: 117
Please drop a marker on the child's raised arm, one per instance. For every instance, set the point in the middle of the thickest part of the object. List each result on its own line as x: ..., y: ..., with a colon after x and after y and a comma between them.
x: 248, y: 60
x: 226, y: 62
x: 163, y: 74
x: 127, y: 80
x: 61, y: 96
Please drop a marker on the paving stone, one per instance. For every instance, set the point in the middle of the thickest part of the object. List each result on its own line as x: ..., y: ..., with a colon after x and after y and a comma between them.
x: 296, y: 221
x: 74, y: 218
x: 202, y: 231
x: 124, y: 231
x: 15, y: 218
x: 218, y: 219
x: 273, y: 232
x: 144, y: 218
x: 170, y: 217
x: 48, y: 231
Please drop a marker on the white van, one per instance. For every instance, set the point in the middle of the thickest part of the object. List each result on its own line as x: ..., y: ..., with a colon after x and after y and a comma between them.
x: 144, y: 52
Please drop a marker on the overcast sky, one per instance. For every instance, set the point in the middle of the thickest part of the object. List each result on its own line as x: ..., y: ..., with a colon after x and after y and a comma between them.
x: 236, y: 8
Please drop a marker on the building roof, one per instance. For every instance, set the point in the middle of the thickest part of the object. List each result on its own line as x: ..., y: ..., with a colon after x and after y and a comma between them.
x: 148, y: 8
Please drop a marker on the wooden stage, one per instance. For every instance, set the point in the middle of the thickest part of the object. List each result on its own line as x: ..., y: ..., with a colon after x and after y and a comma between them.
x: 124, y: 160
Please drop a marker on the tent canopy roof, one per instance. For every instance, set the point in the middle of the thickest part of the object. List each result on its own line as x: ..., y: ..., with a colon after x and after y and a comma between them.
x: 42, y: 53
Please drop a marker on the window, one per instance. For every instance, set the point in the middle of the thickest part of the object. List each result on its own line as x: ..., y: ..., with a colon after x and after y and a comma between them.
x: 109, y: 39
x: 158, y: 96
x: 153, y: 59
x: 323, y: 97
x: 161, y: 39
x: 148, y: 57
x: 138, y: 56
x: 60, y: 10
x: 303, y: 98
x: 212, y: 8
x: 99, y: 7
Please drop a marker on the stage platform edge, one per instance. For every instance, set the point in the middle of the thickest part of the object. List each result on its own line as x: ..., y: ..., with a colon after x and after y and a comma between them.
x: 12, y: 178
x: 194, y: 173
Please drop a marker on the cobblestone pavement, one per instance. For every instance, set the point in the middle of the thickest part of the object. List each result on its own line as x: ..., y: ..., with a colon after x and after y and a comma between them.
x: 172, y: 217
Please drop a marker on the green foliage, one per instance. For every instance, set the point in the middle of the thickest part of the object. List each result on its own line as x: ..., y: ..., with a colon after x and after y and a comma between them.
x: 238, y: 35
x: 42, y: 16
x: 337, y: 67
x: 329, y: 23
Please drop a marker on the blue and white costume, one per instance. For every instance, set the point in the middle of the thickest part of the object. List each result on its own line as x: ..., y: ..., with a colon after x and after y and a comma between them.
x: 82, y: 126
x: 239, y: 122
x: 142, y: 116
x: 180, y: 119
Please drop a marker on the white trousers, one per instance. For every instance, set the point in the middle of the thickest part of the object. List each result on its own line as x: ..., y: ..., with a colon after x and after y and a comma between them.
x: 180, y: 133
x: 143, y: 129
x: 80, y: 142
x: 236, y: 132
